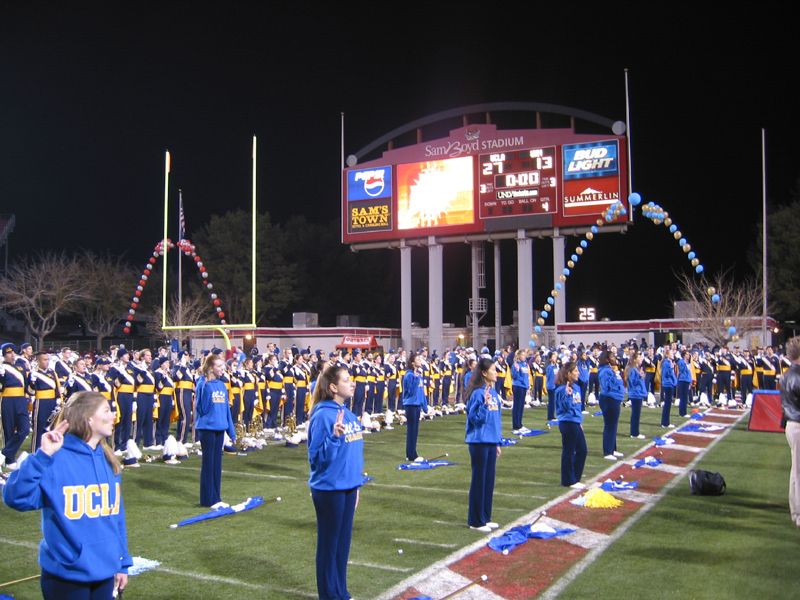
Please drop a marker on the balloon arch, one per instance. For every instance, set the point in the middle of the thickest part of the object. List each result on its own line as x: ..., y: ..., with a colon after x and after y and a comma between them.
x: 658, y: 216
x: 188, y: 249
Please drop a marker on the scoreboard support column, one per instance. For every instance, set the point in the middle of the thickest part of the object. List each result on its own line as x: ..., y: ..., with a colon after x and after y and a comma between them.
x: 524, y: 287
x: 560, y: 308
x: 435, y: 301
x: 405, y: 295
x: 498, y: 322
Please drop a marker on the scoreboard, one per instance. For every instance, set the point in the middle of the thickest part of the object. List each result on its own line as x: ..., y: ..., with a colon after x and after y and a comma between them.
x: 518, y: 183
x: 481, y: 179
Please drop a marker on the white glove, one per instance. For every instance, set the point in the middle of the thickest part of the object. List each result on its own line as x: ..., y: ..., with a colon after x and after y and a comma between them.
x: 134, y: 406
x: 33, y: 376
x: 70, y: 381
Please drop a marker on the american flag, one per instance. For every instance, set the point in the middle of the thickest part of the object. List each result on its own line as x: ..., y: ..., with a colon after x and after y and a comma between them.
x: 181, y: 221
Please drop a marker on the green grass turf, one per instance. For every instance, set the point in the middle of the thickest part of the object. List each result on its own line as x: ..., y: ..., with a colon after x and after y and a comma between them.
x: 739, y: 545
x: 269, y: 552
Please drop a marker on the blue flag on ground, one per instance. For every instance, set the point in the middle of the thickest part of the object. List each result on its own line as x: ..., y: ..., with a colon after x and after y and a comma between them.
x: 599, y: 413
x: 553, y: 422
x: 508, y: 442
x: 650, y: 461
x: 698, y: 416
x: 425, y: 464
x: 663, y: 441
x: 520, y: 535
x: 698, y: 427
x: 221, y: 512
x: 616, y: 486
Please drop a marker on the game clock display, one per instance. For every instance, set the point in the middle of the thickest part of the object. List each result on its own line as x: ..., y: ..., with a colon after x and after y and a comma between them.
x: 523, y: 182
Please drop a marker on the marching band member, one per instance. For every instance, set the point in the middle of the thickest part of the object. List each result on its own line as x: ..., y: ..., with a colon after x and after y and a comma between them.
x: 706, y: 382
x: 583, y: 377
x: 63, y: 366
x: 15, y: 414
x: 768, y: 371
x: 537, y: 370
x: 287, y: 371
x: 184, y: 398
x: 550, y: 383
x: 447, y: 380
x: 391, y: 373
x: 358, y: 372
x: 302, y: 374
x: 79, y: 380
x: 724, y: 366
x: 249, y: 389
x: 166, y: 400
x: 275, y: 385
x: 650, y: 364
x: 746, y: 366
x: 501, y: 367
x: 594, y: 366
x: 144, y: 430
x: 123, y: 378
x: 45, y: 389
x: 436, y: 376
x: 380, y: 384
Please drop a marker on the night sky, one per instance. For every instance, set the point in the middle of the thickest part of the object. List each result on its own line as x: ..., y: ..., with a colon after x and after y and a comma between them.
x: 91, y: 97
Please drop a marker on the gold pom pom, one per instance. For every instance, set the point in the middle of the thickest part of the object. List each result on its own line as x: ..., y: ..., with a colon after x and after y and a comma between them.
x: 598, y: 498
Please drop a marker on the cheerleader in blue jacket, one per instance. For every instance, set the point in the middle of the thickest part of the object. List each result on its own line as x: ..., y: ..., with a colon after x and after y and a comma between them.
x: 685, y: 380
x: 570, y: 424
x: 637, y: 391
x: 74, y: 479
x: 520, y: 384
x: 612, y: 392
x: 336, y: 458
x: 483, y: 437
x: 668, y: 382
x: 213, y: 419
x: 414, y: 402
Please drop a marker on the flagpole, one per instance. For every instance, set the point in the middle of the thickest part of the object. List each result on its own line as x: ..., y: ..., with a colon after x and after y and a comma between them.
x: 180, y: 266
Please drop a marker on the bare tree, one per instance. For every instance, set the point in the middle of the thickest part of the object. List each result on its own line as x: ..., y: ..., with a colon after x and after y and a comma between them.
x: 196, y: 310
x: 111, y: 280
x: 42, y: 288
x: 739, y: 306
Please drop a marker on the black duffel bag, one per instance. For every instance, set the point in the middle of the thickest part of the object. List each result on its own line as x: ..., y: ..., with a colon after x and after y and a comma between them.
x: 706, y: 483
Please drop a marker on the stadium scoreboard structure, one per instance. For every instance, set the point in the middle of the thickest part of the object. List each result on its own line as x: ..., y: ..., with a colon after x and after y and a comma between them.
x: 481, y: 179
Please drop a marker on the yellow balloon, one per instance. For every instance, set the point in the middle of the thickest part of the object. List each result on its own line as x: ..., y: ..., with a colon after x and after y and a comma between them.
x: 677, y: 235
x: 547, y: 307
x: 599, y: 222
x: 726, y: 322
x: 687, y: 248
x: 554, y: 293
x: 534, y: 336
x: 657, y: 221
x: 570, y: 264
x: 711, y: 290
x: 589, y: 235
x: 667, y: 222
x: 735, y: 337
x: 578, y: 250
x: 666, y: 215
x: 540, y: 321
x: 695, y: 262
x: 563, y: 278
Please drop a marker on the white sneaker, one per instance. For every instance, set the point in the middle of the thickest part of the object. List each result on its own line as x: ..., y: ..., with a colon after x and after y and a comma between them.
x: 419, y: 459
x: 493, y: 525
x: 578, y: 486
x: 638, y: 437
x: 584, y: 412
x: 118, y: 453
x: 516, y: 431
x: 13, y: 466
x: 483, y: 529
x: 610, y: 457
x: 618, y: 454
x: 670, y: 426
x: 219, y: 505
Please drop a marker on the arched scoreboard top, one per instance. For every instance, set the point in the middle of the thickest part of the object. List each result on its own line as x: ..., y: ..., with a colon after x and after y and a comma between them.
x: 483, y: 179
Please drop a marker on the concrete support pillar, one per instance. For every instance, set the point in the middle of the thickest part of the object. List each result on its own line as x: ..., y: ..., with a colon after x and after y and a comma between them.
x: 405, y: 295
x: 524, y: 287
x: 435, y: 301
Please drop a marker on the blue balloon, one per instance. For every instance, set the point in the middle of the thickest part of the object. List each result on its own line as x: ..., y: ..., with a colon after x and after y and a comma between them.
x: 634, y: 199
x: 551, y: 300
x: 574, y: 258
x: 532, y: 344
x: 673, y: 228
x: 595, y: 229
x: 545, y: 314
x: 538, y: 329
x: 558, y: 287
x: 715, y: 298
x: 609, y: 218
x: 692, y: 255
x: 731, y: 330
x: 683, y: 242
x: 242, y: 356
x: 623, y: 211
x: 584, y: 243
x: 699, y: 268
x: 566, y: 271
